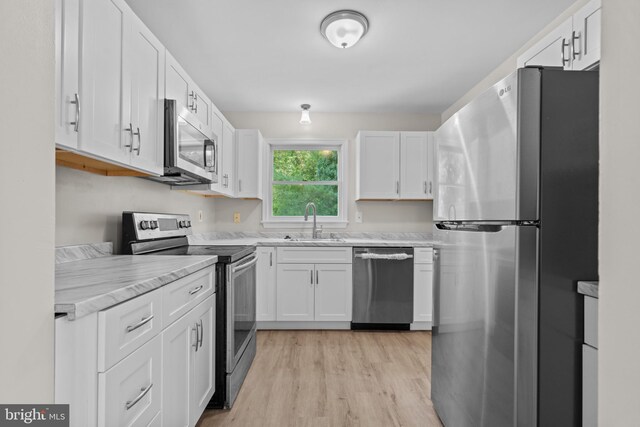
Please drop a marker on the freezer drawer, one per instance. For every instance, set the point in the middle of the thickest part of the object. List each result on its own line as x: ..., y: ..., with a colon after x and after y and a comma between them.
x: 484, y: 296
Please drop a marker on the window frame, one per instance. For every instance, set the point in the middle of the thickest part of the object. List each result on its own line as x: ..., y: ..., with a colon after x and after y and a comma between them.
x: 340, y: 145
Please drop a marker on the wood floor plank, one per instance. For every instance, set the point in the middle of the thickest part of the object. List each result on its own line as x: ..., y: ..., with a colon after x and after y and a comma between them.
x: 334, y: 378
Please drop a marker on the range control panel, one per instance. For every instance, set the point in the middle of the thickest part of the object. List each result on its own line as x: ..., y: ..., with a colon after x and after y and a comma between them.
x: 150, y: 226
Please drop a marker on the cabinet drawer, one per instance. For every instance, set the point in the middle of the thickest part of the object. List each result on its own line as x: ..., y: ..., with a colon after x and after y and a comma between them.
x: 184, y: 294
x: 314, y: 255
x: 591, y: 321
x: 129, y: 394
x: 423, y: 256
x: 126, y: 327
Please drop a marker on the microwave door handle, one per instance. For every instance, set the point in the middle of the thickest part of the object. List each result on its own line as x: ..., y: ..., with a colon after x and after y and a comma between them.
x: 207, y: 144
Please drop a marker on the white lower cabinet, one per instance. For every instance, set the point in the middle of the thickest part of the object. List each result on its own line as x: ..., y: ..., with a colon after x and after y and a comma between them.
x: 129, y: 394
x: 126, y: 366
x: 308, y: 292
x: 423, y: 288
x: 188, y: 348
x: 266, y: 284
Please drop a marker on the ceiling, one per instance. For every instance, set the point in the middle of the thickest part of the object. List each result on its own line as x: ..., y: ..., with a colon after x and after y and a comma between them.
x: 268, y: 55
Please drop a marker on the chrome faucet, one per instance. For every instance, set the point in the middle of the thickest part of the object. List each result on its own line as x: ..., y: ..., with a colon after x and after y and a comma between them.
x: 316, y: 230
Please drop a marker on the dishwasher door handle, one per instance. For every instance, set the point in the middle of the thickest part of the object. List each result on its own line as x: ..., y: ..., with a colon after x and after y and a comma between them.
x: 389, y: 257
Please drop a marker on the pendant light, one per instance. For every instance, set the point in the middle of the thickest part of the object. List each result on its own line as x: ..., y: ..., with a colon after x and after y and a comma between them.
x: 305, y: 119
x: 344, y: 28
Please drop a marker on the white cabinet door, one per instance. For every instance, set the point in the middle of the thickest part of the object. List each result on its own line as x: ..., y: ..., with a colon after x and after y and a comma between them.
x: 176, y: 83
x: 249, y: 163
x: 178, y: 342
x: 106, y: 25
x: 227, y: 156
x: 67, y: 33
x: 586, y: 38
x: 295, y: 292
x: 129, y: 394
x: 266, y: 284
x: 146, y: 55
x: 552, y: 50
x: 203, y: 375
x: 378, y: 164
x: 202, y: 106
x: 423, y: 292
x: 431, y: 164
x: 414, y: 161
x: 333, y: 293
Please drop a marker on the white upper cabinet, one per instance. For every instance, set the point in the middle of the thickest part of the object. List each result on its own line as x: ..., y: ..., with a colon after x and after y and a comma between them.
x: 176, y: 83
x: 394, y: 165
x: 573, y: 45
x: 249, y: 152
x: 67, y: 42
x: 377, y: 165
x: 416, y: 181
x: 104, y: 71
x: 147, y: 99
x: 227, y: 157
x: 586, y: 35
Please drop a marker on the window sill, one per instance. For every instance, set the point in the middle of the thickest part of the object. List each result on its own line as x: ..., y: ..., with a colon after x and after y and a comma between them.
x: 305, y: 224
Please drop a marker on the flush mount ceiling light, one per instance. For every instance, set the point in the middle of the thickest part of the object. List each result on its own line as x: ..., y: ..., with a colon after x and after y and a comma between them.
x: 305, y: 119
x: 344, y: 28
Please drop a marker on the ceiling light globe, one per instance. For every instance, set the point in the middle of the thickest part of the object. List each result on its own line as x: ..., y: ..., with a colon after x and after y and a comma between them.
x: 344, y: 28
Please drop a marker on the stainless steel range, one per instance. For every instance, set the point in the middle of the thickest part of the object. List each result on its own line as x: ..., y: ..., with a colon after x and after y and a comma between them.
x: 166, y: 234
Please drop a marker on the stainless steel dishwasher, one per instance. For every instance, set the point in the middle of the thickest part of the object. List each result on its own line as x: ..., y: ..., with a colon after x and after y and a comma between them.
x: 382, y: 288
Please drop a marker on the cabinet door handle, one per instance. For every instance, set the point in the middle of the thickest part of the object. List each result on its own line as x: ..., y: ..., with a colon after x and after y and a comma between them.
x: 317, y: 277
x: 270, y: 259
x: 195, y: 290
x: 424, y: 187
x: 141, y: 323
x: 201, y: 334
x: 575, y: 36
x: 76, y: 100
x: 565, y: 44
x: 239, y: 185
x: 137, y: 150
x: 398, y: 187
x: 196, y: 330
x: 311, y: 273
x: 130, y: 130
x: 430, y: 187
x: 131, y: 403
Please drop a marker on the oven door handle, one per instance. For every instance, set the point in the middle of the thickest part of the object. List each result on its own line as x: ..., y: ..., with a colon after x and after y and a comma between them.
x: 246, y: 265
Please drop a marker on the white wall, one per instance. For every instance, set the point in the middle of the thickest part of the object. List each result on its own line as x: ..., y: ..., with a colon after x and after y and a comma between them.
x: 377, y: 216
x: 89, y: 207
x: 27, y: 195
x: 510, y: 64
x: 619, y: 303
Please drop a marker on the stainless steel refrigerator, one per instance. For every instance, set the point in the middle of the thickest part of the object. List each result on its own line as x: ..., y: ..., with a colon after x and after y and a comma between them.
x: 516, y: 226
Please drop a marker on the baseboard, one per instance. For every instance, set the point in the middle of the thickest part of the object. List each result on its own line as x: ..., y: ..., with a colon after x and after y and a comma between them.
x: 266, y: 325
x: 421, y: 326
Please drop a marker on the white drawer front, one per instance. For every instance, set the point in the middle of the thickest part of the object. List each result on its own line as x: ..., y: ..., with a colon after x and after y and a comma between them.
x: 314, y: 255
x: 125, y: 327
x: 182, y: 295
x: 423, y: 256
x: 129, y: 394
x: 591, y: 321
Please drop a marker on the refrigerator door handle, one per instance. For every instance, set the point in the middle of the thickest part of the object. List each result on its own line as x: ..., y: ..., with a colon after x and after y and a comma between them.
x: 478, y: 228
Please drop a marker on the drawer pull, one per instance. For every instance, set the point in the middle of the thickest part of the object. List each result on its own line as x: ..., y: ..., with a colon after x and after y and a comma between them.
x: 143, y: 322
x: 130, y: 404
x: 195, y: 290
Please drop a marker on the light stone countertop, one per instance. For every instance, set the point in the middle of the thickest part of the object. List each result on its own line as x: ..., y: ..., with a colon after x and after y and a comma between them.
x: 588, y: 288
x: 90, y: 285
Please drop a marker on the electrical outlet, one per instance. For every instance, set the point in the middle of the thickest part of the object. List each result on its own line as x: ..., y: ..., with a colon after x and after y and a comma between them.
x: 359, y: 217
x: 236, y: 217
x: 200, y: 216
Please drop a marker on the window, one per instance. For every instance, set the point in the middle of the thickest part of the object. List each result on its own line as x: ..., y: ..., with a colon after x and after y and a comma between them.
x: 301, y: 172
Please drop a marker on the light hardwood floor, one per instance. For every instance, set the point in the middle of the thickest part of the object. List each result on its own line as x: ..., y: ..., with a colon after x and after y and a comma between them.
x: 335, y: 378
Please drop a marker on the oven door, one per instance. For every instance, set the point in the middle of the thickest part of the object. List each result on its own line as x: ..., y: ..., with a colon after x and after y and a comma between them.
x: 241, y: 307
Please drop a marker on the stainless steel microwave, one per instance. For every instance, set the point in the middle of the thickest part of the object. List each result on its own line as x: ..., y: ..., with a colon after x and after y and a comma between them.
x: 190, y: 148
